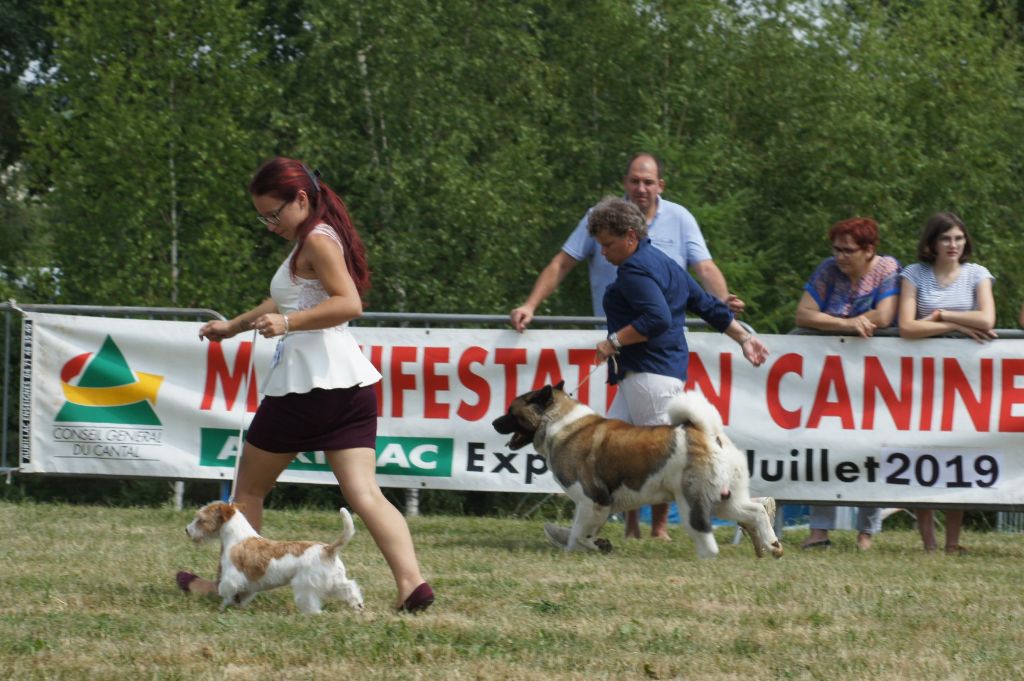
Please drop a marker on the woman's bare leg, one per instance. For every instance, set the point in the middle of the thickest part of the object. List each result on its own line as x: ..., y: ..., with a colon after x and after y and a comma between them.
x: 954, y: 521
x: 633, y: 524
x: 257, y: 473
x: 659, y: 521
x: 926, y: 526
x: 356, y: 470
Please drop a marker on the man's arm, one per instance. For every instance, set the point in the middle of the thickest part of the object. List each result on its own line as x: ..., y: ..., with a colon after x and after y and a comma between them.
x: 547, y: 281
x: 713, y: 281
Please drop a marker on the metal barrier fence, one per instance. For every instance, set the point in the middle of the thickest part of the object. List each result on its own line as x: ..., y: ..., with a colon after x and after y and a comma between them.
x: 10, y: 389
x: 893, y: 332
x: 12, y: 354
x: 428, y: 319
x: 1007, y: 521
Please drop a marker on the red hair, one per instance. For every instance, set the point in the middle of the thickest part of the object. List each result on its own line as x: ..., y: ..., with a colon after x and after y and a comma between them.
x: 283, y: 178
x: 863, y: 231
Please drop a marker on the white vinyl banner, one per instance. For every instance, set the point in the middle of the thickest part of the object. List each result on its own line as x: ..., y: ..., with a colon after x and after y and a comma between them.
x: 827, y: 418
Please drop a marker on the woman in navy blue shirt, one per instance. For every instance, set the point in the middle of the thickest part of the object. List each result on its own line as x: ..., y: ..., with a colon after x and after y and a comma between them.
x: 646, y: 308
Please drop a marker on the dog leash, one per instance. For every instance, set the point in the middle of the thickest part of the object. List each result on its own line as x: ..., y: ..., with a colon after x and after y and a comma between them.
x: 241, y: 424
x: 615, y: 369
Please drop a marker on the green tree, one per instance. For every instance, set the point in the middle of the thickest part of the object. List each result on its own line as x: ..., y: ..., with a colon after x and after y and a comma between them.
x: 25, y: 49
x: 144, y: 137
x: 784, y: 122
x: 468, y: 138
x: 430, y: 117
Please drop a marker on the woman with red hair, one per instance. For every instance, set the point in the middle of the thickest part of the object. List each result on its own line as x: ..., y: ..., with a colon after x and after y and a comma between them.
x: 318, y: 394
x: 854, y: 292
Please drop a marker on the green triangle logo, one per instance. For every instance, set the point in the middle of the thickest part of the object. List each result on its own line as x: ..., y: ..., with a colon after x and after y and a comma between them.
x: 110, y: 392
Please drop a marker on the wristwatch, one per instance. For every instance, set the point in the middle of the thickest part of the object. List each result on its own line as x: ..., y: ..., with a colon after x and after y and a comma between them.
x: 613, y: 338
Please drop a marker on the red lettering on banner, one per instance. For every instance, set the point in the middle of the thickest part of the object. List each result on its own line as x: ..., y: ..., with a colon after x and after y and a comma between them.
x: 790, y: 363
x: 548, y: 372
x: 698, y: 376
x: 433, y: 383
x: 583, y: 360
x: 875, y: 381
x: 511, y: 359
x: 954, y: 381
x: 1008, y: 423
x: 377, y: 360
x: 894, y: 388
x: 400, y: 382
x: 832, y: 377
x: 231, y: 381
x: 475, y: 383
x: 927, y: 390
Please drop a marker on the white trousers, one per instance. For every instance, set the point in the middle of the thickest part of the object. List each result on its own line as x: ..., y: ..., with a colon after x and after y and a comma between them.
x: 643, y: 398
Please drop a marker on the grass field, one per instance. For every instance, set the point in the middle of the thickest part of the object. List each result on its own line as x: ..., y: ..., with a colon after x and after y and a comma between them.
x: 88, y: 593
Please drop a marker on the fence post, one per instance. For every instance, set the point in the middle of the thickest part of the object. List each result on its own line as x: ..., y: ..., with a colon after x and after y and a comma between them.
x: 412, y: 502
x: 6, y: 388
x: 179, y: 494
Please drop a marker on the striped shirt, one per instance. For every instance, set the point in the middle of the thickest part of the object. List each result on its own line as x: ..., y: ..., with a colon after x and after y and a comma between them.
x: 959, y: 296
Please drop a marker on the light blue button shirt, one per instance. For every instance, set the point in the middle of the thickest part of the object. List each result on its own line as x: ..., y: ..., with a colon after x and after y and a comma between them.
x: 673, y: 231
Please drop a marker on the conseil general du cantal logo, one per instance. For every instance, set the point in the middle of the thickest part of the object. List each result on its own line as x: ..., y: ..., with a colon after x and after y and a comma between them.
x: 109, y: 409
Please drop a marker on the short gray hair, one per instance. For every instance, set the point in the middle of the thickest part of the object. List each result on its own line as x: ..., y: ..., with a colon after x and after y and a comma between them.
x: 616, y: 216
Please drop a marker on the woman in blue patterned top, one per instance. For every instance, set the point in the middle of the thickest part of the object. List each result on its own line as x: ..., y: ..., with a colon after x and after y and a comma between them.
x: 856, y: 290
x: 853, y: 292
x: 943, y: 294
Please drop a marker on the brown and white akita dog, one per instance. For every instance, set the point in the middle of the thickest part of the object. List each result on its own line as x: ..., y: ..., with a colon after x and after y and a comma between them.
x: 608, y: 466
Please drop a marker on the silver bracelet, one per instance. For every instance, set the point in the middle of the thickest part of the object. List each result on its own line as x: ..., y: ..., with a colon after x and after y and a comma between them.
x: 286, y: 324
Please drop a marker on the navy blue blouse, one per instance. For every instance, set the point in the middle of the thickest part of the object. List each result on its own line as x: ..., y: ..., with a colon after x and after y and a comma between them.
x: 652, y: 292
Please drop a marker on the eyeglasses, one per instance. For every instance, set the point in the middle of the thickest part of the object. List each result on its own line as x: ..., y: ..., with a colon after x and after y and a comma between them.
x: 840, y: 250
x: 274, y: 218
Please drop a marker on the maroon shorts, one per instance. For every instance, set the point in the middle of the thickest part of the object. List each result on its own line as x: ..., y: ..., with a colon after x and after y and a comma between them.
x: 341, y: 418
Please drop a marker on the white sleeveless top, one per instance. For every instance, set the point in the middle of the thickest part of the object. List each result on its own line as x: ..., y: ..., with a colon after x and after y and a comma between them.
x: 324, y: 358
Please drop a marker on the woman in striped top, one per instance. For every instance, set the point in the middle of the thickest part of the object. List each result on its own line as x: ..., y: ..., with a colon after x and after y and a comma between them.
x: 940, y: 295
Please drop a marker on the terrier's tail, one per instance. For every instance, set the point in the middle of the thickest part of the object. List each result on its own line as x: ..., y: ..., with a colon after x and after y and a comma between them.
x: 346, y: 534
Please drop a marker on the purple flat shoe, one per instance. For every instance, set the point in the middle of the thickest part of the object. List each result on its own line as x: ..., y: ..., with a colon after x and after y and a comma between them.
x: 184, y: 579
x: 419, y: 600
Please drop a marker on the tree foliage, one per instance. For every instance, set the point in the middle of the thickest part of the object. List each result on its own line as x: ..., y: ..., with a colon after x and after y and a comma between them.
x: 140, y: 137
x: 469, y: 138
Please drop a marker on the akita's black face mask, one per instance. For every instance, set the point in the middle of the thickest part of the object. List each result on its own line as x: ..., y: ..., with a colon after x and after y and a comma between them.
x: 523, y: 416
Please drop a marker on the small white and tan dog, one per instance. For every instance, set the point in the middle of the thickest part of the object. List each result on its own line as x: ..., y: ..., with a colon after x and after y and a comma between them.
x: 250, y: 563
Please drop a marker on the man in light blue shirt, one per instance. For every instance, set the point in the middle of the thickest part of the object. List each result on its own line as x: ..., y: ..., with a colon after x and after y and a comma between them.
x: 672, y: 229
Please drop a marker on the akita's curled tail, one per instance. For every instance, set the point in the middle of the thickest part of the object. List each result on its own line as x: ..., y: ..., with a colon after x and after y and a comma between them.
x: 346, y: 533
x: 705, y: 480
x: 693, y: 407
